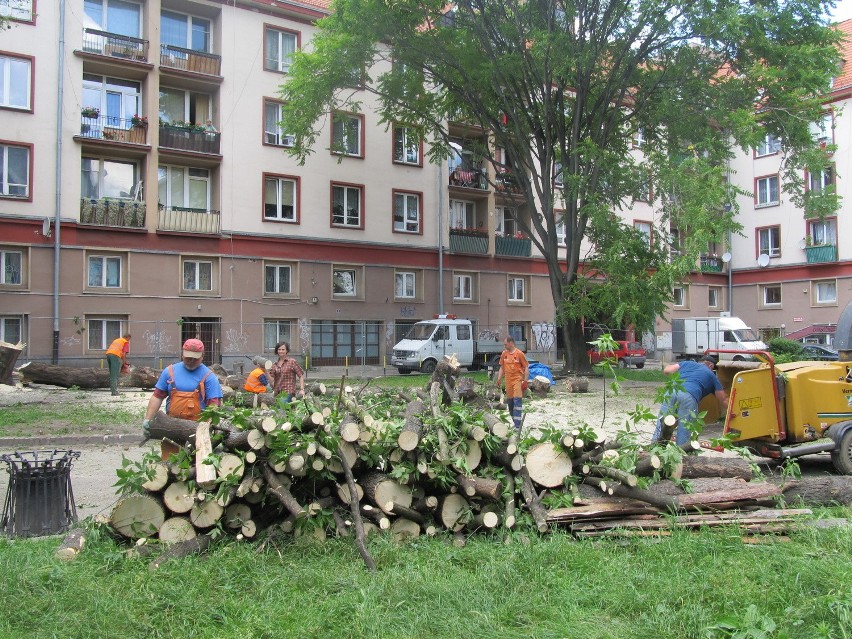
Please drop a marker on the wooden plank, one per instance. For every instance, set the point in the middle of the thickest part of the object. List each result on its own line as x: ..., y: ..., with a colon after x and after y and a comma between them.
x: 205, y: 474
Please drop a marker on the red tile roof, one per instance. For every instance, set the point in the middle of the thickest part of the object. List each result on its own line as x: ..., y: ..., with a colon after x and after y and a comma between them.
x: 843, y: 80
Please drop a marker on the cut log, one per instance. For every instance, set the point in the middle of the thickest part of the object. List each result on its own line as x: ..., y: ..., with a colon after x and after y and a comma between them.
x: 819, y: 491
x: 409, y: 436
x: 577, y: 384
x: 486, y: 519
x: 509, y: 503
x: 615, y: 473
x: 711, y: 466
x: 496, y: 425
x: 317, y: 389
x: 205, y: 514
x: 647, y: 465
x: 453, y: 509
x: 384, y: 492
x: 176, y: 529
x: 408, y: 513
x: 349, y: 429
x: 159, y: 477
x: 9, y: 354
x: 403, y: 529
x: 485, y: 487
x: 540, y: 385
x: 205, y: 473
x: 532, y: 501
x: 85, y: 378
x: 470, y: 452
x: 548, y: 466
x: 236, y: 514
x: 281, y: 492
x: 72, y: 545
x: 178, y: 498
x: 256, y: 439
x: 343, y: 493
x: 230, y: 466
x: 197, y: 544
x: 137, y: 516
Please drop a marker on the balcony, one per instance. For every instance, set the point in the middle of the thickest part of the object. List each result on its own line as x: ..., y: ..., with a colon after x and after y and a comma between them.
x: 821, y: 253
x: 112, y: 213
x: 189, y: 137
x: 469, y: 178
x: 115, y: 45
x: 509, y: 246
x: 172, y: 57
x: 188, y: 220
x: 507, y: 183
x: 95, y: 126
x: 469, y: 241
x: 710, y: 264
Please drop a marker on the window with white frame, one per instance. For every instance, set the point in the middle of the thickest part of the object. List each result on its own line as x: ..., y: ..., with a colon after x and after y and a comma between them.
x: 769, y: 241
x: 821, y: 180
x: 272, y: 131
x: 14, y: 171
x: 464, y: 287
x: 21, y: 10
x: 346, y: 281
x: 766, y: 191
x: 280, y: 199
x: 116, y: 100
x: 770, y: 295
x: 558, y: 178
x: 405, y: 285
x: 12, y: 267
x: 346, y: 134
x: 346, y: 206
x: 517, y: 289
x: 769, y: 145
x: 561, y: 235
x: 680, y: 296
x: 462, y: 214
x: 15, y: 81
x: 102, y: 331
x: 507, y: 221
x: 406, y: 148
x: 181, y: 187
x: 104, y: 271
x: 11, y: 329
x: 178, y: 106
x: 278, y: 279
x: 406, y: 212
x: 822, y: 131
x: 639, y: 138
x: 114, y: 16
x: 184, y: 31
x: 102, y: 178
x: 675, y: 243
x: 823, y: 232
x: 275, y: 331
x: 714, y: 297
x: 644, y: 229
x: 197, y: 275
x: 279, y: 47
x: 825, y: 292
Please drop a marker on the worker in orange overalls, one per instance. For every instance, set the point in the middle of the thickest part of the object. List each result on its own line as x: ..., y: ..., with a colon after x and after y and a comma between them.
x: 116, y: 356
x: 516, y: 370
x: 257, y: 381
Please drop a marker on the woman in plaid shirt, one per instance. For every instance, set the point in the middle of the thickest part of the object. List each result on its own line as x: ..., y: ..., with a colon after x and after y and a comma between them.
x: 284, y: 373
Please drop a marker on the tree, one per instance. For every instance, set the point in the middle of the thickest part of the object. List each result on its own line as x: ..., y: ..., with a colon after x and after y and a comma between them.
x: 565, y: 88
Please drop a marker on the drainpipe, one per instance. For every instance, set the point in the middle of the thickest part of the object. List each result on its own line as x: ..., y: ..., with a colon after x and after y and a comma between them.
x: 58, y: 183
x: 441, y: 238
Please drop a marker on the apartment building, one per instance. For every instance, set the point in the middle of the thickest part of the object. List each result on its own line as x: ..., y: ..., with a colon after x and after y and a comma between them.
x: 146, y: 189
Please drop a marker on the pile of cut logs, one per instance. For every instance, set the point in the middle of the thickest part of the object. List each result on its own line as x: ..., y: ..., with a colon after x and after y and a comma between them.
x: 353, y: 462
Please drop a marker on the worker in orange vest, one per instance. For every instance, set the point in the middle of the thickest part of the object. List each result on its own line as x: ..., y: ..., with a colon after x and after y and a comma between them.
x: 257, y: 381
x: 116, y: 356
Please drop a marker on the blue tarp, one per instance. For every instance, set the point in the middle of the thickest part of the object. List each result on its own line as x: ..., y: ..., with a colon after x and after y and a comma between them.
x: 537, y: 368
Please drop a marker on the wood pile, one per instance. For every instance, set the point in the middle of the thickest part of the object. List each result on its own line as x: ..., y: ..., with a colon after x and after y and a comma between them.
x: 85, y: 378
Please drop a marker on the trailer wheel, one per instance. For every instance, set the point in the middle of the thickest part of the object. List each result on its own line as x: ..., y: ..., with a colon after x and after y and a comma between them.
x: 622, y: 363
x: 428, y: 366
x: 841, y: 456
x: 640, y: 365
x: 739, y: 358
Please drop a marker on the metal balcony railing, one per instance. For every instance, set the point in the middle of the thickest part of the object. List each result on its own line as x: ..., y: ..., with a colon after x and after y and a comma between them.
x: 710, y: 264
x: 112, y: 212
x: 510, y: 246
x: 115, y: 45
x: 188, y: 220
x: 173, y: 57
x: 820, y: 254
x: 94, y: 125
x: 471, y: 178
x: 469, y: 241
x: 189, y: 138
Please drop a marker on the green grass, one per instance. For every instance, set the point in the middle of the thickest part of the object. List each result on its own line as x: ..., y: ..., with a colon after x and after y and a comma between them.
x: 689, y: 585
x: 19, y: 420
x: 395, y: 381
x: 634, y: 374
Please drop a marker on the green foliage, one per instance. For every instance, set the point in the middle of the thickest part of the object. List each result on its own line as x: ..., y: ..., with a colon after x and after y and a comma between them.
x: 752, y: 625
x: 20, y: 419
x: 785, y: 350
x: 133, y: 474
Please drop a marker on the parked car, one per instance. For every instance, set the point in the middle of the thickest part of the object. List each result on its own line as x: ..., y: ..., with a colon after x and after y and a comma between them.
x: 819, y: 353
x: 627, y: 354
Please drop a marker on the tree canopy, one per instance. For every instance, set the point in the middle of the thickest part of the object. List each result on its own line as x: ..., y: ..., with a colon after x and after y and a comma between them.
x: 589, y: 103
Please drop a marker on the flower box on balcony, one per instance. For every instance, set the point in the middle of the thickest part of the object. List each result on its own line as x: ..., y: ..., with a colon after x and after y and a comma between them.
x: 711, y: 264
x: 112, y: 213
x: 822, y: 253
x: 513, y: 246
x: 469, y: 241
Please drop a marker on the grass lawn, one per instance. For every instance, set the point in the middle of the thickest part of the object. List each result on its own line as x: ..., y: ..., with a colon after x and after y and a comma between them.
x: 19, y: 420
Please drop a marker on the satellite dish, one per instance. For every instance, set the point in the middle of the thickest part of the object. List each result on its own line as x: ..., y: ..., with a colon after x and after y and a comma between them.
x: 45, y: 227
x: 802, y: 244
x: 763, y: 260
x: 726, y: 257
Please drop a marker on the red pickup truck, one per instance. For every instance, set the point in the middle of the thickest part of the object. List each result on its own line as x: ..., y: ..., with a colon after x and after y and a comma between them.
x: 627, y: 354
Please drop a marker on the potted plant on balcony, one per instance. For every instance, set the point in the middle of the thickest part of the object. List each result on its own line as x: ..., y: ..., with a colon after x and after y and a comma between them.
x: 139, y: 121
x: 90, y: 112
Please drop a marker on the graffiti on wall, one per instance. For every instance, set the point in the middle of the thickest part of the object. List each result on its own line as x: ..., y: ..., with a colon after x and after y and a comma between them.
x: 390, y: 334
x: 488, y: 334
x: 545, y: 335
x: 235, y: 341
x: 305, y: 335
x: 157, y: 341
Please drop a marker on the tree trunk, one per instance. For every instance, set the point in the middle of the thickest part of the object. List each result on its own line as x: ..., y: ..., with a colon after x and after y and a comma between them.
x: 384, y: 492
x: 484, y: 487
x: 72, y: 545
x: 9, y: 354
x: 548, y: 466
x: 706, y: 466
x: 85, y: 378
x: 197, y: 544
x: 819, y: 491
x: 412, y: 429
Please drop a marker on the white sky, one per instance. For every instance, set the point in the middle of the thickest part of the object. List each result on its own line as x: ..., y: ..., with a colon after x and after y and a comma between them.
x: 842, y: 10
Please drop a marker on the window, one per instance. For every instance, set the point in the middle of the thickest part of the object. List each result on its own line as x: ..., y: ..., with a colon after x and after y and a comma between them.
x: 821, y: 180
x: 518, y: 331
x: 714, y: 297
x: 14, y: 171
x: 517, y: 289
x: 561, y: 234
x: 464, y: 287
x: 197, y: 275
x: 115, y: 99
x: 462, y: 215
x: 102, y: 331
x: 15, y: 80
x: 346, y: 134
x: 177, y: 106
x: 558, y: 178
x: 104, y: 271
x: 825, y: 292
x: 187, y: 32
x: 405, y: 285
x: 280, y: 199
x: 681, y: 296
x: 279, y: 47
x: 346, y: 206
x: 769, y: 241
x: 406, y: 212
x: 823, y: 232
x: 822, y: 131
x: 770, y: 295
x: 406, y: 147
x: 11, y: 329
x: 644, y: 229
x: 108, y: 178
x: 115, y: 16
x: 346, y: 282
x: 182, y: 187
x: 21, y: 10
x: 639, y: 138
x: 279, y: 279
x: 674, y: 243
x: 766, y: 191
x: 274, y: 331
x: 768, y: 146
x: 507, y: 224
x: 12, y: 263
x: 272, y: 131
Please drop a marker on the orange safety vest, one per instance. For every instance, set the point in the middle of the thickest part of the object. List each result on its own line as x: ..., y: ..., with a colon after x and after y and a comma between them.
x: 253, y: 384
x: 117, y: 347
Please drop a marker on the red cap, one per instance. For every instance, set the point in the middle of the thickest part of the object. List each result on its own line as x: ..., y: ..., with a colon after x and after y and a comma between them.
x: 193, y: 348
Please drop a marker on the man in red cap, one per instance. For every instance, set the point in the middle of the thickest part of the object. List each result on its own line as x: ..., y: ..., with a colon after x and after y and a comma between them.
x: 189, y: 386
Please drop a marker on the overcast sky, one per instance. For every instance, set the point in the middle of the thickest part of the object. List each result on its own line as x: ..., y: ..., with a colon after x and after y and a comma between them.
x: 842, y: 10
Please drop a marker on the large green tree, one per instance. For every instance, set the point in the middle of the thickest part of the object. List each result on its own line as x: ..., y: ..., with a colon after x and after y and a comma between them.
x: 565, y: 88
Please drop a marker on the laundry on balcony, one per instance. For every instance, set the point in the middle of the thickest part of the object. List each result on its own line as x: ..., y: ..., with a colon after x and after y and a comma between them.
x: 468, y: 179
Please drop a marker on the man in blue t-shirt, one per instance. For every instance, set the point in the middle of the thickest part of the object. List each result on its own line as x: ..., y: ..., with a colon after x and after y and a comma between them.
x: 699, y: 380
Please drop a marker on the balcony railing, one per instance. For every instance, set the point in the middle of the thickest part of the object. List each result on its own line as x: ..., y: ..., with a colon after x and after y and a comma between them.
x: 95, y: 126
x: 710, y: 264
x: 175, y: 218
x: 469, y: 241
x: 513, y: 246
x: 17, y: 10
x: 189, y: 138
x: 468, y: 178
x: 822, y: 253
x: 190, y: 60
x: 114, y: 213
x: 507, y: 182
x: 115, y: 45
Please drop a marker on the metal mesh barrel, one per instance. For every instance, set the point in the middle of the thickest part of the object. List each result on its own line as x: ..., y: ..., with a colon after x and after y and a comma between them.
x: 39, y: 498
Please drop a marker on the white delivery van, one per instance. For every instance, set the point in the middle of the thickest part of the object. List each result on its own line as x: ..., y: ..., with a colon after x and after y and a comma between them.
x: 692, y: 336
